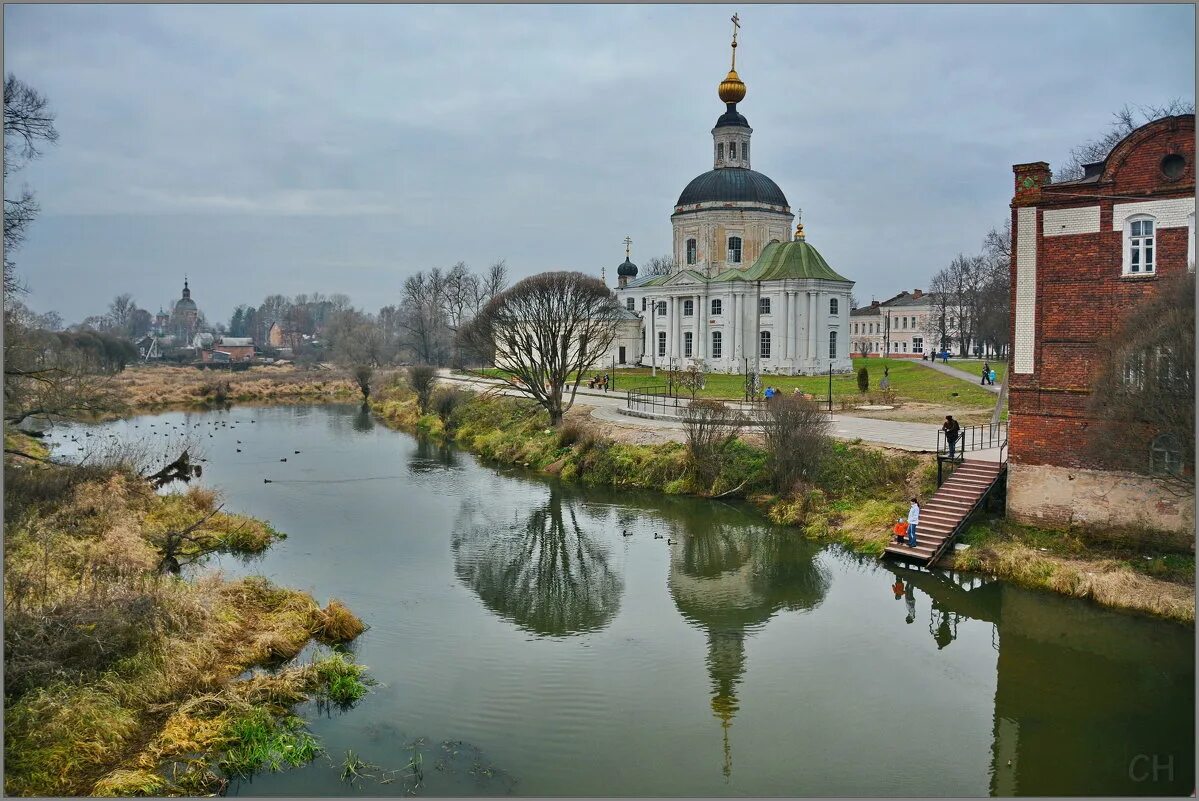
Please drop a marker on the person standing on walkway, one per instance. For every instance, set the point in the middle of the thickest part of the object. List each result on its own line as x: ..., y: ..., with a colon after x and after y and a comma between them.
x: 951, y: 429
x: 986, y: 373
x: 913, y: 519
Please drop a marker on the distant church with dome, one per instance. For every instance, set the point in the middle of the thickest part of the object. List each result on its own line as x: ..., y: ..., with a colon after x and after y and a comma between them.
x: 744, y: 295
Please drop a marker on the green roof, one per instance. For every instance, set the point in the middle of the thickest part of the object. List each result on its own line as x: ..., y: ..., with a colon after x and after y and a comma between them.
x: 779, y: 260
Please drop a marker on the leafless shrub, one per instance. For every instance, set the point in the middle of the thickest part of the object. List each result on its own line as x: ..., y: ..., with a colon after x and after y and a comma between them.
x: 422, y: 378
x: 446, y: 400
x: 1144, y: 391
x: 797, y: 440
x: 709, y: 426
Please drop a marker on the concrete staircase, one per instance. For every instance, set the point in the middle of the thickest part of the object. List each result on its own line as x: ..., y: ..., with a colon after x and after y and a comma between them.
x: 941, y: 518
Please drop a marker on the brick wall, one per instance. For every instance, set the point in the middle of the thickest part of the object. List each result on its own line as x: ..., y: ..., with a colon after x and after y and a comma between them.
x: 1069, y: 292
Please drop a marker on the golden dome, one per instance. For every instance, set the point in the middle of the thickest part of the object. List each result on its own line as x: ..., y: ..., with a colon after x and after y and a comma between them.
x: 731, y: 90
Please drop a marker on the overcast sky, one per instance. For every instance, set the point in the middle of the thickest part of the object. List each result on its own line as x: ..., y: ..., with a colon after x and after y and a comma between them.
x: 305, y: 148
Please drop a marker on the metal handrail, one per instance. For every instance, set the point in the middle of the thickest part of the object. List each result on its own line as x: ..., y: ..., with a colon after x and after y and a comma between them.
x: 657, y: 399
x: 975, y: 438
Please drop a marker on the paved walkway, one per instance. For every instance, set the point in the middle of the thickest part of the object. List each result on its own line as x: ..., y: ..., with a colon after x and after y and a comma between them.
x: 973, y: 378
x: 607, y: 405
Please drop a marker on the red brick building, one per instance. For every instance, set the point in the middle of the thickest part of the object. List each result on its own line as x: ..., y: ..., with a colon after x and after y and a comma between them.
x: 1084, y: 253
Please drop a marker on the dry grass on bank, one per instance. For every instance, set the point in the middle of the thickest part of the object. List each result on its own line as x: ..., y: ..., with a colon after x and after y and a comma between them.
x: 1115, y: 574
x: 158, y: 386
x: 108, y: 659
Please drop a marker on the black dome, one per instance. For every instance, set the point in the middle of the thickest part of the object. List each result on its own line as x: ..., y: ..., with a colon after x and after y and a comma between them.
x: 730, y: 185
x: 731, y: 117
x: 627, y: 268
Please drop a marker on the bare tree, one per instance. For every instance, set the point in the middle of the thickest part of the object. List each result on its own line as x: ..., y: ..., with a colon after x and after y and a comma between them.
x: 547, y: 330
x: 660, y: 265
x: 120, y: 312
x: 28, y: 123
x: 1124, y: 122
x: 797, y: 441
x: 1144, y: 388
x: 423, y: 316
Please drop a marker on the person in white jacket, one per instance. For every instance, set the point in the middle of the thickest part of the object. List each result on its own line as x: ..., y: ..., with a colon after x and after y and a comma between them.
x: 913, y: 519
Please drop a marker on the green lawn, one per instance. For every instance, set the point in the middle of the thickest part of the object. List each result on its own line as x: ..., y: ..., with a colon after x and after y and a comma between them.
x: 975, y: 368
x: 909, y: 379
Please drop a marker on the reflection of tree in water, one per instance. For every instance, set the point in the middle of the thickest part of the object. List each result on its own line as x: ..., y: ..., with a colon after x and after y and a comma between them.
x: 547, y: 576
x: 363, y: 420
x: 731, y: 579
x: 429, y: 456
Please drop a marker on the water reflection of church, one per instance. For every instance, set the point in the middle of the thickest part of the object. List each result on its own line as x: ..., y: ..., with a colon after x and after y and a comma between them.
x: 729, y: 579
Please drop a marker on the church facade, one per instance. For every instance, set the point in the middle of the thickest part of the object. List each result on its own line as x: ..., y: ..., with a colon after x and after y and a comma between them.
x: 744, y: 296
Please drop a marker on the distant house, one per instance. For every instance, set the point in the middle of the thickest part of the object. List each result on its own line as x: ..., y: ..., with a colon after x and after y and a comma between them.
x: 227, y: 349
x: 278, y: 337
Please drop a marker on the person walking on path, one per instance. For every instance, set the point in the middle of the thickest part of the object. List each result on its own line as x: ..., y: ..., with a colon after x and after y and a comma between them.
x: 913, y: 520
x: 951, y: 429
x: 987, y: 373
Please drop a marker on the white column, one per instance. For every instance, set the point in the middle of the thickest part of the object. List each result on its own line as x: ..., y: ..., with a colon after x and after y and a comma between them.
x: 812, y: 352
x: 732, y: 343
x: 679, y: 329
x: 786, y: 328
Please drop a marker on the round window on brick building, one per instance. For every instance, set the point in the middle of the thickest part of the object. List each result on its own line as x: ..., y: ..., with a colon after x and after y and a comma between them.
x: 1173, y: 166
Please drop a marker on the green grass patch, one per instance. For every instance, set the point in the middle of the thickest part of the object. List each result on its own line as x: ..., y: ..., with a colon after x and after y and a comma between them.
x: 259, y: 740
x: 909, y: 379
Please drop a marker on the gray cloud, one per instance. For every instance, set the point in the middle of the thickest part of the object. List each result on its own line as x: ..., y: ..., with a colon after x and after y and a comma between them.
x: 340, y: 148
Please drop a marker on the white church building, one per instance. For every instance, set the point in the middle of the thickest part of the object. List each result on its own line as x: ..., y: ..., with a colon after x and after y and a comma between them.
x: 744, y: 295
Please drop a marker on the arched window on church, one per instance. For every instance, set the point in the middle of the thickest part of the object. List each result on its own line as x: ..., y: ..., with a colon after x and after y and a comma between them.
x: 832, y: 344
x: 832, y: 306
x: 734, y: 250
x: 764, y: 344
x: 691, y: 251
x: 732, y: 150
x: 720, y: 151
x: 745, y: 151
x: 716, y: 344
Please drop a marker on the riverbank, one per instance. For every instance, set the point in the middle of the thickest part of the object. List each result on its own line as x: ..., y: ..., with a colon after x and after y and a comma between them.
x: 125, y: 679
x: 146, y: 388
x: 861, y: 490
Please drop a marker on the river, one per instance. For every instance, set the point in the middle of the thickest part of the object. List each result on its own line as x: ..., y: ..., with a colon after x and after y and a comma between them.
x: 526, y: 645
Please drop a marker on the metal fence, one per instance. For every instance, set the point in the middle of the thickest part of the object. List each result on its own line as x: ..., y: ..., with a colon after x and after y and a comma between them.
x: 975, y: 438
x: 657, y: 399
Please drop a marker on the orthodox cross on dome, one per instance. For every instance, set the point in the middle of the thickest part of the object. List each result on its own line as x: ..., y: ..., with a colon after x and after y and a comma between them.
x: 627, y: 244
x: 736, y: 26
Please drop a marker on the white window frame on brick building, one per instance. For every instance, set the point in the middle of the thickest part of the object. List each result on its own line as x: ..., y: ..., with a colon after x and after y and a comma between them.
x: 764, y: 344
x: 661, y: 344
x: 1191, y: 241
x: 1140, y: 245
x: 691, y: 251
x: 734, y: 254
x: 832, y: 344
x: 716, y: 307
x: 716, y: 344
x: 1165, y: 454
x: 764, y: 305
x: 688, y: 308
x: 629, y: 303
x: 832, y: 306
x: 917, y: 344
x: 661, y: 308
x: 688, y: 339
